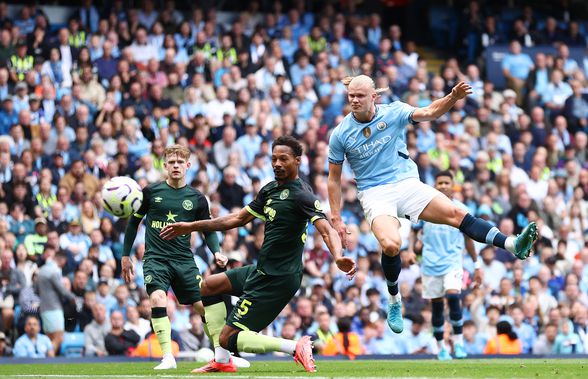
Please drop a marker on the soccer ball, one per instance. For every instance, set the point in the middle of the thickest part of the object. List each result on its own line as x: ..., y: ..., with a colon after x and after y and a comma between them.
x: 122, y: 196
x: 204, y: 355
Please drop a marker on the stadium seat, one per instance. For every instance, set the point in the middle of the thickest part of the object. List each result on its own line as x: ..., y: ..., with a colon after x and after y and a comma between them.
x: 72, y: 345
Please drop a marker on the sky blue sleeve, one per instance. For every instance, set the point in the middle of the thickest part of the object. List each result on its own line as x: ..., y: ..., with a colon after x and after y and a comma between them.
x: 506, y: 62
x: 20, y: 349
x: 404, y: 112
x: 336, y: 148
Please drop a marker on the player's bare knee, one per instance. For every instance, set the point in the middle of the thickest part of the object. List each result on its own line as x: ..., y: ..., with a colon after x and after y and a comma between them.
x: 390, y: 246
x: 456, y: 216
x: 158, y: 299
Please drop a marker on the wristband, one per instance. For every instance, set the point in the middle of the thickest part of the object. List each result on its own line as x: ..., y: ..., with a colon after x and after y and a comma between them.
x: 477, y: 264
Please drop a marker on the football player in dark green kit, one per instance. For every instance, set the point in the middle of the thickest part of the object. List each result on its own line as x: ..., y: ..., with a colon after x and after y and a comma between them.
x: 286, y: 205
x: 169, y: 263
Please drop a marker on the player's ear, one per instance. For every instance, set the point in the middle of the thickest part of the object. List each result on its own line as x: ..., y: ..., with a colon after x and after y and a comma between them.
x: 298, y: 160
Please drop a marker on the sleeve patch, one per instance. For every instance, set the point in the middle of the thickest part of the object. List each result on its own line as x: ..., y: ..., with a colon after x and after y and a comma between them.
x: 250, y: 210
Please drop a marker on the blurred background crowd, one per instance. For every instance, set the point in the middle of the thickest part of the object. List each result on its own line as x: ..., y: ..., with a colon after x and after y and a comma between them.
x: 103, y: 93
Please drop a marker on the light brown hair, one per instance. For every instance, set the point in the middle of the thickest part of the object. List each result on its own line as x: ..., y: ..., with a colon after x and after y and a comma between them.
x: 179, y: 150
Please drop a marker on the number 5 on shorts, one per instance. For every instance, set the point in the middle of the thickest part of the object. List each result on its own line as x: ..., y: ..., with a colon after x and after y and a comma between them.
x: 244, y: 307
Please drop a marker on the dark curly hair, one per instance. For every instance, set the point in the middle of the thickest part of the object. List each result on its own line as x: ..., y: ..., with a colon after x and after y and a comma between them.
x: 291, y: 142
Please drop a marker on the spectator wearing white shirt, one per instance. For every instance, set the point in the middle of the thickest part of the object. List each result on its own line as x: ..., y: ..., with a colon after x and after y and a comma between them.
x: 96, y: 331
x: 137, y: 323
x: 217, y: 108
x: 536, y: 185
x: 493, y: 270
x: 222, y: 148
x: 147, y: 171
x: 141, y: 49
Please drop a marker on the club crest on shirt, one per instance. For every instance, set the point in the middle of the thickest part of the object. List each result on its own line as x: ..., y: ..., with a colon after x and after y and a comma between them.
x: 381, y: 125
x: 148, y: 279
x: 187, y: 205
x: 318, y: 206
x: 284, y: 194
x: 367, y: 132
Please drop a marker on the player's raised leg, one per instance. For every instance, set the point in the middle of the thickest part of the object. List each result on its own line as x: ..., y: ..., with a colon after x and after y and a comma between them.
x: 386, y: 229
x: 441, y: 210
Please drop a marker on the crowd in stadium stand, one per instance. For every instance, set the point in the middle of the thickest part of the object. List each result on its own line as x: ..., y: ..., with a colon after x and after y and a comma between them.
x: 104, y: 94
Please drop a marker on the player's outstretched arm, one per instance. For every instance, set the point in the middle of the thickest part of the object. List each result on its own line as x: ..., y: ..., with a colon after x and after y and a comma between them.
x: 334, y: 187
x: 441, y: 106
x: 331, y: 238
x: 227, y: 222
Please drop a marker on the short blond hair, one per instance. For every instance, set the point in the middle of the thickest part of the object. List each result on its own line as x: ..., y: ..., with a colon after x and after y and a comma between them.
x: 364, y: 79
x: 179, y: 150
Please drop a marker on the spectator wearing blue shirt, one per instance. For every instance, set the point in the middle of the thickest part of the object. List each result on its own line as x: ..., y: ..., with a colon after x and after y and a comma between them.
x: 569, y: 64
x: 250, y: 141
x: 473, y: 342
x: 8, y: 116
x: 425, y: 137
x: 525, y: 331
x: 106, y: 64
x: 103, y: 296
x: 345, y: 45
x: 288, y: 44
x: 75, y: 242
x: 5, y: 88
x: 567, y: 341
x: 576, y: 107
x: 556, y: 93
x: 123, y: 301
x: 33, y: 344
x: 379, y: 340
x: 296, y: 24
x: 516, y: 67
x: 333, y: 94
x: 21, y: 98
x: 418, y: 340
x: 301, y: 68
x: 374, y: 30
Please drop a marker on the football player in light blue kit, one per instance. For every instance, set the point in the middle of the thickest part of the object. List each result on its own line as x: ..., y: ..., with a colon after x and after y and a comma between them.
x: 372, y: 138
x: 442, y: 271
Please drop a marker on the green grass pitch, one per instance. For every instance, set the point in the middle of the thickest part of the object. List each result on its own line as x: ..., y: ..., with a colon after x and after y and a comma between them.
x: 492, y: 368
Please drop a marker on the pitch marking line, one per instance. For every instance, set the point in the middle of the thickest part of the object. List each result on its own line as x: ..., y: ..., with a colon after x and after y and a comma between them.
x: 199, y: 376
x: 193, y: 376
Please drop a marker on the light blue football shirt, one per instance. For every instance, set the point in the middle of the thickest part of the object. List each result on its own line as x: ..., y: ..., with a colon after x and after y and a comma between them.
x: 376, y: 150
x: 443, y: 247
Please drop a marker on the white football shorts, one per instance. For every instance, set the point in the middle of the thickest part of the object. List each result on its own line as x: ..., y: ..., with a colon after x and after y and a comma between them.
x: 404, y: 199
x: 435, y: 287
